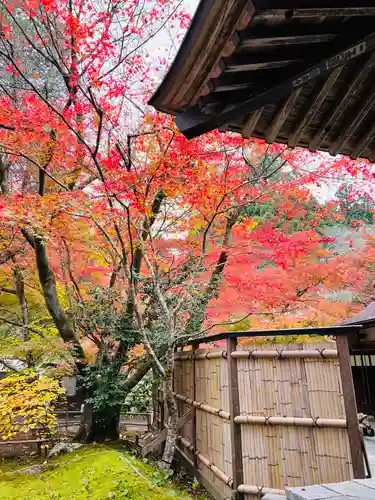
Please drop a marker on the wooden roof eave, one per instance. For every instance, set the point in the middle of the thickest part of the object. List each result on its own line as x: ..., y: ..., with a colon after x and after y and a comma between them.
x: 296, y: 72
x: 194, y: 121
x: 208, y: 39
x: 365, y: 317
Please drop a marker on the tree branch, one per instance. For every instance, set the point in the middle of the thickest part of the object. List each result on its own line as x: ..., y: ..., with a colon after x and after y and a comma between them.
x: 13, y: 323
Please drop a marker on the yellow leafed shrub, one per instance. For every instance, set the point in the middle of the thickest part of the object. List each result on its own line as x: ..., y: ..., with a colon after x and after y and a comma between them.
x: 27, y: 403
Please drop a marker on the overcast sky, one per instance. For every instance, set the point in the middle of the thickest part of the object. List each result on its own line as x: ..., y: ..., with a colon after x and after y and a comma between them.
x: 164, y: 44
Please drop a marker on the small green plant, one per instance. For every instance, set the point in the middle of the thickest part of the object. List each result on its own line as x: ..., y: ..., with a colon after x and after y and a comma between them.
x: 122, y: 490
x: 195, y: 484
x: 86, y: 482
x: 54, y: 494
x: 161, y: 477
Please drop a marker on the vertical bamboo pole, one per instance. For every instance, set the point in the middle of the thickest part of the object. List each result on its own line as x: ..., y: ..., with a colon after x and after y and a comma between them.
x: 174, y: 382
x: 354, y: 432
x: 234, y: 409
x: 195, y: 346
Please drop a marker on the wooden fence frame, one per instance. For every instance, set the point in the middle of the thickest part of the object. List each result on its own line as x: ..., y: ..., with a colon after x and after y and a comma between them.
x: 236, y: 481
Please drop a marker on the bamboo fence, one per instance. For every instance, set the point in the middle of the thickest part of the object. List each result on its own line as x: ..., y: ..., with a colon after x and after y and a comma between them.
x: 265, y: 418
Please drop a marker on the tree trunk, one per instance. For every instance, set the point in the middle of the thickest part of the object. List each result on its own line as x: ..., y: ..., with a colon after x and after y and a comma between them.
x: 4, y: 178
x: 143, y: 367
x: 48, y: 283
x: 97, y: 428
x: 106, y: 430
x: 19, y: 284
x: 172, y: 433
x: 84, y: 431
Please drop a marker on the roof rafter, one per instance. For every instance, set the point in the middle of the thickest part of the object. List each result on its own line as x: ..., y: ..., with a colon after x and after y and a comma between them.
x: 313, y: 107
x: 251, y: 123
x: 363, y: 143
x: 281, y: 115
x: 350, y: 92
x: 354, y: 121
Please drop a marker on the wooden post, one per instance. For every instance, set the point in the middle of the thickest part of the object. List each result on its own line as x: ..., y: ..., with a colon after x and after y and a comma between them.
x: 162, y: 416
x: 350, y: 403
x: 174, y: 382
x: 234, y: 409
x: 195, y: 346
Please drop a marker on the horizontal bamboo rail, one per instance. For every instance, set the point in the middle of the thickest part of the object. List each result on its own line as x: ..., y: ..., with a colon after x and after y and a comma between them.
x: 202, y: 406
x: 203, y: 355
x: 286, y: 354
x: 215, y: 470
x: 257, y: 353
x: 258, y: 490
x: 291, y: 421
x: 243, y: 488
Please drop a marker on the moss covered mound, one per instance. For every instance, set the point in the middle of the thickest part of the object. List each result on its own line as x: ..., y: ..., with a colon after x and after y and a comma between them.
x: 94, y: 472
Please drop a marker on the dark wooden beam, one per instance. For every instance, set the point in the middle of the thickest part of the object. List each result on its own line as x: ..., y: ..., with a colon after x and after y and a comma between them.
x: 298, y: 36
x: 311, y: 4
x: 350, y: 404
x: 281, y: 115
x: 313, y: 107
x: 194, y: 122
x: 255, y: 66
x: 301, y: 13
x: 350, y: 92
x: 251, y: 123
x: 248, y: 79
x: 296, y: 30
x: 279, y: 53
x: 285, y: 41
x: 223, y: 98
x: 353, y: 121
x: 228, y: 86
x: 250, y: 62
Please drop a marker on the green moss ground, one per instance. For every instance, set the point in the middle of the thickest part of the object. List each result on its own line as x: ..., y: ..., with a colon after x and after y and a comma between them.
x: 94, y: 472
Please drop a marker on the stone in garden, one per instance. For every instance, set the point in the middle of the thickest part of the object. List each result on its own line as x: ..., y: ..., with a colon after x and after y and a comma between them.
x: 347, y: 490
x: 272, y: 496
x: 63, y: 448
x: 34, y: 469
